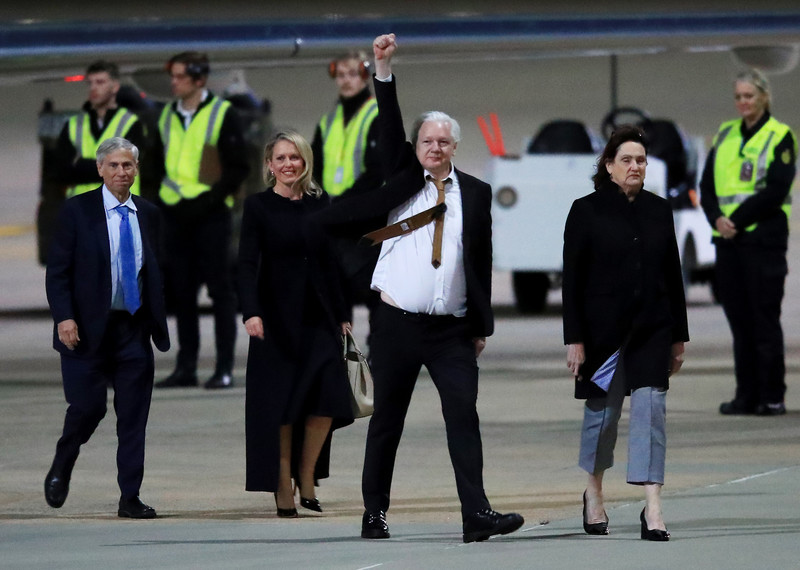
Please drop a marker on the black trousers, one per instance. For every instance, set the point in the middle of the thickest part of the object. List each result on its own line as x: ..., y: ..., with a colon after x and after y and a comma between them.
x: 199, y: 253
x: 124, y: 361
x: 401, y: 344
x: 750, y: 282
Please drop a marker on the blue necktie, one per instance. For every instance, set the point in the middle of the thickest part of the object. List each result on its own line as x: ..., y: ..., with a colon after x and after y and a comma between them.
x: 127, y: 257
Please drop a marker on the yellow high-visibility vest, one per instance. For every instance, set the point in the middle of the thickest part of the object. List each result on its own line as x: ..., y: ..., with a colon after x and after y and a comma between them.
x: 741, y: 171
x: 80, y: 135
x: 183, y: 150
x: 343, y: 147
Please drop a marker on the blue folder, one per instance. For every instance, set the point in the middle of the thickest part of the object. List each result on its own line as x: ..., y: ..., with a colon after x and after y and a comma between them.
x: 602, y: 377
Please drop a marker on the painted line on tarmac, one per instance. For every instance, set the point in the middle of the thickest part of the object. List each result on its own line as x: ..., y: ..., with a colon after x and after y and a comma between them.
x: 15, y: 230
x: 754, y: 476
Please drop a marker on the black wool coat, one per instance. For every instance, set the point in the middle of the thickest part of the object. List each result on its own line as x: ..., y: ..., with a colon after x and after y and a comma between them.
x: 622, y: 284
x: 279, y: 262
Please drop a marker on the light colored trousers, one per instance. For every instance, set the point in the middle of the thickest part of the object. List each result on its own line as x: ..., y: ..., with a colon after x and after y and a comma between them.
x: 647, y: 440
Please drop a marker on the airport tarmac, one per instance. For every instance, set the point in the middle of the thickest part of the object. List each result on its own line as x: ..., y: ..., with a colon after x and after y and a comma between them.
x: 730, y: 500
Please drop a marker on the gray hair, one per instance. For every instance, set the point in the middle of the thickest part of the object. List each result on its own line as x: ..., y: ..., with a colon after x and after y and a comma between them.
x: 114, y: 144
x: 439, y: 117
x: 757, y: 79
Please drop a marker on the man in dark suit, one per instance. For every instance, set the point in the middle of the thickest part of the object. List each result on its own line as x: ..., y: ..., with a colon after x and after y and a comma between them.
x: 434, y: 280
x: 105, y: 292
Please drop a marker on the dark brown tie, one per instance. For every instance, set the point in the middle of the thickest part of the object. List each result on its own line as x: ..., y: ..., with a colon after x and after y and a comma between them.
x: 438, y: 225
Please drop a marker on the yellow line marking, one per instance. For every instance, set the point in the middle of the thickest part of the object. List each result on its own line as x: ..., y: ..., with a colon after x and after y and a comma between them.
x: 11, y: 231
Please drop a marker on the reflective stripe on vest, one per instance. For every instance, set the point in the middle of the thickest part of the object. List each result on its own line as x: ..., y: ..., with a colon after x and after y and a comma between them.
x: 731, y: 160
x: 343, y: 146
x: 183, y: 150
x: 80, y: 135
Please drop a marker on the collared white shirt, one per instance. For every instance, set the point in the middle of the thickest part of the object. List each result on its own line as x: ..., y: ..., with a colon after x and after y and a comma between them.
x: 404, y: 271
x: 187, y: 114
x: 113, y: 219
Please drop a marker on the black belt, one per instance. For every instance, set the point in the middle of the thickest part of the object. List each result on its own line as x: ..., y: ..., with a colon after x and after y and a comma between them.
x: 421, y: 317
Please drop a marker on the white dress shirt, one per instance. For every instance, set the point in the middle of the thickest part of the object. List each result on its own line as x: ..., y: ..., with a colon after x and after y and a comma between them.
x: 113, y: 219
x: 188, y: 114
x: 404, y: 271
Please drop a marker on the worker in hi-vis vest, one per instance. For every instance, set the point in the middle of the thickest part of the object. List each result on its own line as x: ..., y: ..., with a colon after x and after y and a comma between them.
x: 746, y: 195
x: 205, y: 163
x: 75, y: 165
x: 346, y: 163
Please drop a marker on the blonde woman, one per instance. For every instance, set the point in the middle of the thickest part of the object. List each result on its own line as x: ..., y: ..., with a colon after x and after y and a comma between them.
x: 294, y: 313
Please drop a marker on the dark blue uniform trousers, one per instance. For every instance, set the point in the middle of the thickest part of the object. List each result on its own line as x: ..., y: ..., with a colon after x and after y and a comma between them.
x: 750, y: 282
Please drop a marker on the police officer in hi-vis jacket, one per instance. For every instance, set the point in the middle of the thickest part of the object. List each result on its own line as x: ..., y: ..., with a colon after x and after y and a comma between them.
x: 745, y: 193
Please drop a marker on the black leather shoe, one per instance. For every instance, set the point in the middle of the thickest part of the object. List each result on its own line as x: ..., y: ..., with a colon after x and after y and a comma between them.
x: 778, y: 409
x: 594, y: 528
x: 179, y: 379
x: 134, y: 508
x: 56, y: 486
x: 311, y: 504
x: 735, y: 408
x: 656, y: 535
x: 373, y: 525
x: 483, y: 524
x: 219, y: 380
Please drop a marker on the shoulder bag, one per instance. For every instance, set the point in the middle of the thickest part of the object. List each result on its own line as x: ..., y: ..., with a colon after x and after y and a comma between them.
x: 359, y: 378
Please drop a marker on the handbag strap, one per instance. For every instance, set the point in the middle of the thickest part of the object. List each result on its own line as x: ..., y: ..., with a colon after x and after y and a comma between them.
x: 350, y: 348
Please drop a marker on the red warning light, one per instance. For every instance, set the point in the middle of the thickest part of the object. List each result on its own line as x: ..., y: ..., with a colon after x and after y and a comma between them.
x: 74, y: 78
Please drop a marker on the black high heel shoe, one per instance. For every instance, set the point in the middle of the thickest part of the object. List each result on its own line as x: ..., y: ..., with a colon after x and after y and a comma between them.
x: 594, y: 528
x: 311, y: 504
x: 656, y: 535
x: 285, y: 513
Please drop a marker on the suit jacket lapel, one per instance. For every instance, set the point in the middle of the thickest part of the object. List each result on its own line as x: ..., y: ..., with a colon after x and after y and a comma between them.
x: 144, y: 228
x: 99, y: 225
x: 467, y: 206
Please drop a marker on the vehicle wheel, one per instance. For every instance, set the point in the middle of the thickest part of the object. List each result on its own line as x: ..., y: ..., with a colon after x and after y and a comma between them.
x: 530, y: 291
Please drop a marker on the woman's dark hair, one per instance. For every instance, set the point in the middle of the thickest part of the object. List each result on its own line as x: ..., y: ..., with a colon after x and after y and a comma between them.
x: 621, y: 135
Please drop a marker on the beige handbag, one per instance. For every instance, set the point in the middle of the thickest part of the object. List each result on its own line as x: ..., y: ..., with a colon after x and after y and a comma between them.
x: 359, y: 378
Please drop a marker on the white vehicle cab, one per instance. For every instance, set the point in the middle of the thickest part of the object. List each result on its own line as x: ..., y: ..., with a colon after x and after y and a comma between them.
x: 534, y: 192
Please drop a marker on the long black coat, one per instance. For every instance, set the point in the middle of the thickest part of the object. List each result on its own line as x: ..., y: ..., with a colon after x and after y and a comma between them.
x: 277, y: 262
x: 622, y: 283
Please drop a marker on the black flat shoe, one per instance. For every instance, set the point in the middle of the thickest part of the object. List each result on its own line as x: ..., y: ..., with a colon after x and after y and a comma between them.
x: 594, y: 528
x: 735, y: 408
x: 373, y: 525
x: 487, y: 523
x: 218, y: 381
x: 656, y: 535
x: 311, y: 504
x: 284, y: 513
x: 134, y: 508
x: 56, y: 486
x: 180, y: 378
x: 777, y: 409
